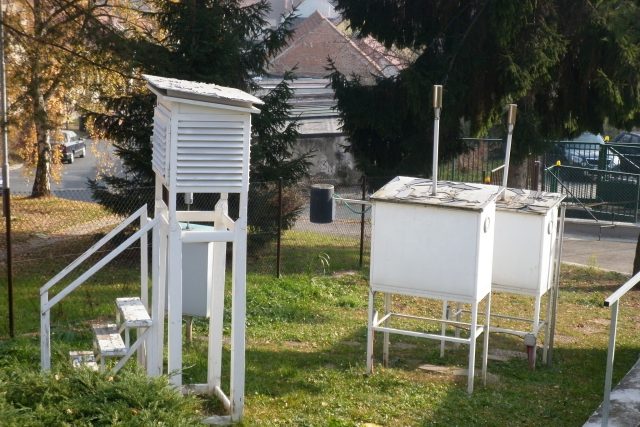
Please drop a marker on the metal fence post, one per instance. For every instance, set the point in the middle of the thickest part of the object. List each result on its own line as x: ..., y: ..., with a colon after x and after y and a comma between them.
x: 362, y: 212
x: 635, y: 213
x: 279, y: 241
x: 6, y: 192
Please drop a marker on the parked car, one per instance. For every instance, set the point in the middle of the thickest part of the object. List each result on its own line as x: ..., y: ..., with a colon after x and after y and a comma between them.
x: 70, y: 146
x: 584, y: 152
x: 627, y: 145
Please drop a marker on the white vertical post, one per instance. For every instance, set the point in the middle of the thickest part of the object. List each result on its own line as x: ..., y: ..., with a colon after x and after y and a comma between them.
x: 556, y: 284
x: 216, y: 303
x: 437, y: 107
x: 158, y: 287
x: 144, y: 282
x: 238, y: 310
x: 370, y: 332
x: 485, y: 344
x: 511, y: 121
x: 610, y: 356
x: 443, y: 327
x: 385, y: 335
x: 174, y: 265
x: 144, y: 264
x: 45, y: 334
x: 174, y: 293
x: 472, y: 346
x: 547, y: 326
x: 535, y: 328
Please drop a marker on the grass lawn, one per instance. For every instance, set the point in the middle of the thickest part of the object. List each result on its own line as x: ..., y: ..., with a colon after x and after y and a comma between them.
x: 306, y: 335
x: 306, y: 355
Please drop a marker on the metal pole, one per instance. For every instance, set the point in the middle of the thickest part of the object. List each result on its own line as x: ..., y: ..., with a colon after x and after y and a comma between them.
x: 437, y: 107
x: 362, y: 210
x: 6, y: 192
x: 279, y: 242
x: 610, y: 355
x: 511, y: 121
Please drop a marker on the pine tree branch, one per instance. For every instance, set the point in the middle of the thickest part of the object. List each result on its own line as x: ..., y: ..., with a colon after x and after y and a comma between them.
x: 453, y: 59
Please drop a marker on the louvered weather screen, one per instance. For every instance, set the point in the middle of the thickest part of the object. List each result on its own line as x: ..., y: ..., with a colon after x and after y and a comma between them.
x: 201, y: 135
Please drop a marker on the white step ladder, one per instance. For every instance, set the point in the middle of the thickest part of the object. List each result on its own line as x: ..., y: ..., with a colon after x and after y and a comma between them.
x: 130, y: 314
x: 107, y: 342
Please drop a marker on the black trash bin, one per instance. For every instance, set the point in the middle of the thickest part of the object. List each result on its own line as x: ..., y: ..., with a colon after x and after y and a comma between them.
x: 321, y: 209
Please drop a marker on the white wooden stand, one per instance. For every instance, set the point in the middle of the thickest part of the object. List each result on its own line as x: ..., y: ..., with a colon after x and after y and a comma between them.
x: 201, y: 145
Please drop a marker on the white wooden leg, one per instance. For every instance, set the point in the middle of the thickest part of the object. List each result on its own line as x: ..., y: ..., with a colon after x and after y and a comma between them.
x: 174, y: 331
x: 144, y: 285
x: 155, y: 354
x: 216, y: 316
x: 238, y: 313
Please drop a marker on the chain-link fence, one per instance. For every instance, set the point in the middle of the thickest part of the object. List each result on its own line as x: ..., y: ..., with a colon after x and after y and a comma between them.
x: 48, y: 234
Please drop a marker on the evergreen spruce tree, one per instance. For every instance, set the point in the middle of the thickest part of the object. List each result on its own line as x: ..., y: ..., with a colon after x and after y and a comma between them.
x: 209, y: 41
x: 570, y: 66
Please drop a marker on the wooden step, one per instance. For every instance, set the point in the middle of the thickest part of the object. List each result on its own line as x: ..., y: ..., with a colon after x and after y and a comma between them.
x: 108, y: 341
x: 133, y: 313
x: 83, y: 359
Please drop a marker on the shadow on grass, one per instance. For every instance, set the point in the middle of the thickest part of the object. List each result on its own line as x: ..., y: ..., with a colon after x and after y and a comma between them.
x: 285, y: 383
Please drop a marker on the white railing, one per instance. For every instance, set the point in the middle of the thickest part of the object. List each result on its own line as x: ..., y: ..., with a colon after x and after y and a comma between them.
x: 612, y: 302
x: 47, y: 304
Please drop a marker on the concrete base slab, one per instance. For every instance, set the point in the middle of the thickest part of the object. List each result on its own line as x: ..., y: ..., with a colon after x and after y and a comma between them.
x: 625, y: 403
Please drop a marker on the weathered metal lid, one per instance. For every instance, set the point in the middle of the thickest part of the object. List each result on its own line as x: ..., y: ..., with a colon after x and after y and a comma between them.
x: 197, y: 91
x: 529, y: 201
x: 403, y: 189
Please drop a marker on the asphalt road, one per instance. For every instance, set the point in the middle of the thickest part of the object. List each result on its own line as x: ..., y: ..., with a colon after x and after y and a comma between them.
x: 73, y: 185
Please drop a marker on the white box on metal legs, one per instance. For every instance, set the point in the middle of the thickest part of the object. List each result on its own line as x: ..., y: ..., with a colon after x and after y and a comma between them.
x: 432, y: 246
x: 524, y: 241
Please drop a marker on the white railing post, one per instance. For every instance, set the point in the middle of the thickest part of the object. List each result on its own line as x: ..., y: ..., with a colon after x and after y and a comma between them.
x: 610, y: 355
x: 45, y: 336
x: 144, y: 283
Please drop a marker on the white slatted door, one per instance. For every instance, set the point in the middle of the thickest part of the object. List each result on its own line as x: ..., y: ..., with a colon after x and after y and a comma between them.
x: 211, y: 151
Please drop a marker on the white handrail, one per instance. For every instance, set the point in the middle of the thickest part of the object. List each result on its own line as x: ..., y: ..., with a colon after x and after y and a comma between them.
x: 612, y: 302
x: 98, y: 266
x: 619, y: 293
x: 46, y: 304
x: 51, y: 283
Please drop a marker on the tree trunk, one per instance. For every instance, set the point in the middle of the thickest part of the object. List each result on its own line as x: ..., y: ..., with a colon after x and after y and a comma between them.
x: 42, y: 181
x: 518, y: 174
x: 636, y: 260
